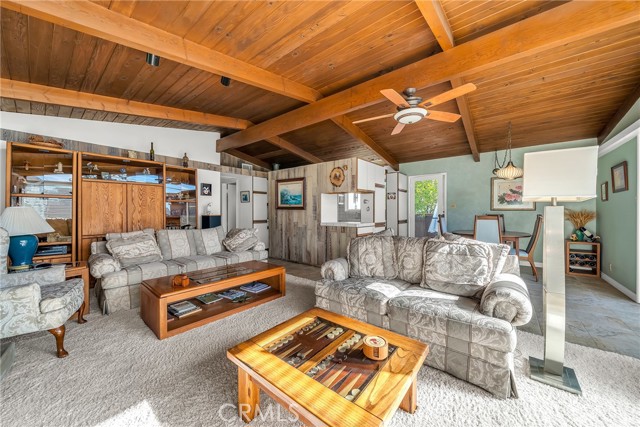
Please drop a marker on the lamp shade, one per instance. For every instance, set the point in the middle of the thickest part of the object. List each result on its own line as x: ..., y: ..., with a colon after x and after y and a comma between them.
x: 567, y: 175
x: 23, y: 220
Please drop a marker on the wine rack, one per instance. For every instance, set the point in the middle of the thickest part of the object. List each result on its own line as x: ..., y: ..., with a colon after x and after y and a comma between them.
x: 582, y: 259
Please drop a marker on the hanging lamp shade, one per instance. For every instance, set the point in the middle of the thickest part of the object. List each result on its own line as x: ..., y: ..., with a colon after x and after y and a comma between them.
x: 510, y: 171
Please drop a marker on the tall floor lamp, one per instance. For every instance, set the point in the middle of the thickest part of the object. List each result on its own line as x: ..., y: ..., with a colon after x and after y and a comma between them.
x: 557, y: 176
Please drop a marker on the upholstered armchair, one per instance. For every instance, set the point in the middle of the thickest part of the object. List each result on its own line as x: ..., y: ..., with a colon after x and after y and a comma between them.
x: 37, y: 300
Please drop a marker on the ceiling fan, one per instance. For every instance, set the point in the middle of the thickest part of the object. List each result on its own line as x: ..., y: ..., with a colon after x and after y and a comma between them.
x: 412, y: 108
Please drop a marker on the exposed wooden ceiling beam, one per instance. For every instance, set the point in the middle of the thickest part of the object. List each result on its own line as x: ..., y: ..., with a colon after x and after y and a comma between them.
x: 622, y: 111
x: 246, y: 157
x: 98, y: 21
x: 71, y: 98
x: 51, y: 95
x: 345, y: 124
x: 271, y: 154
x: 567, y: 23
x: 437, y: 20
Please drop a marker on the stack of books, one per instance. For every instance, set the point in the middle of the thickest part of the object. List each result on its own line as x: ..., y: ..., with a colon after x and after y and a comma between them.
x: 183, y: 308
x: 255, y: 287
x: 233, y: 294
x: 209, y: 298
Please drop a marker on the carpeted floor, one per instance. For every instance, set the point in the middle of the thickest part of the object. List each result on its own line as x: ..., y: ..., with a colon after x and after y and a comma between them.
x: 119, y: 374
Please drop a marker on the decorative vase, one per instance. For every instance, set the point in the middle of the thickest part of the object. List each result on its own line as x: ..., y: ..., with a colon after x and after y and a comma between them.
x: 579, y: 234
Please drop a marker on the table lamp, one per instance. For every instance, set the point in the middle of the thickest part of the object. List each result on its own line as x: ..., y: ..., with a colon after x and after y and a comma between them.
x: 22, y: 222
x: 567, y: 175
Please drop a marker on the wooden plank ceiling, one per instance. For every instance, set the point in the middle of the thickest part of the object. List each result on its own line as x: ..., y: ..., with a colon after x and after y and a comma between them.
x: 568, y: 92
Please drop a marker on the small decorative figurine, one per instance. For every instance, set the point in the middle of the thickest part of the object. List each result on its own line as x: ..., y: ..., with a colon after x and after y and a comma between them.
x: 181, y: 280
x: 185, y: 161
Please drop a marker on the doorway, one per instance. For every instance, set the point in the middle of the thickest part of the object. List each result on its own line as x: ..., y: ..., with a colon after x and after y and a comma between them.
x: 228, y: 204
x: 427, y: 200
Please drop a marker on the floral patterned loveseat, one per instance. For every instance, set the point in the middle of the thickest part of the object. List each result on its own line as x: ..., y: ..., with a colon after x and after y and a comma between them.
x: 462, y: 297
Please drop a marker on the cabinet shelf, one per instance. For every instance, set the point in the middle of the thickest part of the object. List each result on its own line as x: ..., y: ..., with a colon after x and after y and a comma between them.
x: 43, y: 196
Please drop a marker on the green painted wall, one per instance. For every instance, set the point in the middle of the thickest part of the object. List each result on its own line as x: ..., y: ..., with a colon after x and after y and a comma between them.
x: 617, y: 217
x: 469, y: 189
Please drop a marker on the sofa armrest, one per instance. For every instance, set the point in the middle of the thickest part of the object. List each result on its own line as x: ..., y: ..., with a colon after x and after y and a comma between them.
x: 19, y: 309
x: 336, y: 269
x: 101, y: 264
x: 507, y: 298
x: 260, y: 246
x: 45, y: 276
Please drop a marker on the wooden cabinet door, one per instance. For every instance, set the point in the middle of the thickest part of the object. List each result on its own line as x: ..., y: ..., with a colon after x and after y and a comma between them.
x: 103, y: 208
x: 145, y: 207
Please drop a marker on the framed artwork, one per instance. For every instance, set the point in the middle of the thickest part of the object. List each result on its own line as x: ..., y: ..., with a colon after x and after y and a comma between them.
x: 604, y: 191
x: 506, y: 195
x: 291, y: 193
x: 205, y: 189
x: 245, y: 197
x: 619, y: 178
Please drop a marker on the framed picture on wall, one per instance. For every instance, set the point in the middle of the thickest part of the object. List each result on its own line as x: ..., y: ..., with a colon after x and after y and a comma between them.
x: 619, y: 178
x: 506, y: 195
x: 245, y: 197
x: 604, y: 191
x: 205, y: 189
x: 290, y: 193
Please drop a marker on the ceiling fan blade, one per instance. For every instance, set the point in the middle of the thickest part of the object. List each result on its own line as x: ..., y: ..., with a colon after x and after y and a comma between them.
x: 448, y: 95
x: 396, y: 130
x: 443, y: 116
x: 373, y: 118
x: 395, y: 97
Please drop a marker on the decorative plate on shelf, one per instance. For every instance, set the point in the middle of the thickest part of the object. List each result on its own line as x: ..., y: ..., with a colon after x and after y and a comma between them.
x: 337, y: 176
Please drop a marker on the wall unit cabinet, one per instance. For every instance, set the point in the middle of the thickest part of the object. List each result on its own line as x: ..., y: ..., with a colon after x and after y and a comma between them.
x: 118, y: 195
x: 181, y: 197
x: 45, y: 179
x: 369, y: 176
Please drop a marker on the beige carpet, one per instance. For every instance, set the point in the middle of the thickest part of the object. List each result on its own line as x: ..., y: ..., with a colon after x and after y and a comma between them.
x: 119, y: 374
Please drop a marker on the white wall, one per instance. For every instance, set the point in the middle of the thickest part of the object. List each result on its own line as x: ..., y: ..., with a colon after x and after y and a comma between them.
x: 213, y: 178
x: 199, y: 145
x: 245, y: 210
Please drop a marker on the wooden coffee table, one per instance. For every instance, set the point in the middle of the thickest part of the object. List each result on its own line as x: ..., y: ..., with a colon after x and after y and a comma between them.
x: 157, y: 294
x: 314, y: 377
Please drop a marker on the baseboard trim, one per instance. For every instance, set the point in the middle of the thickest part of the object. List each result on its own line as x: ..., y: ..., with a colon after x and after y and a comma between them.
x: 526, y: 264
x: 619, y: 286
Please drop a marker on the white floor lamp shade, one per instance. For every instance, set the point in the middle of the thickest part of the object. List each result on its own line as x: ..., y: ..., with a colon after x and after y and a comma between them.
x: 557, y: 176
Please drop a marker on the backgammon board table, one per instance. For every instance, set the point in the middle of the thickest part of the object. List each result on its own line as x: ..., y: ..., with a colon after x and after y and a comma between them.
x: 314, y: 365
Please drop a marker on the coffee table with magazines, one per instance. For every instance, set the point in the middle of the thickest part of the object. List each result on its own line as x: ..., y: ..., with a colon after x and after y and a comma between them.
x: 315, y: 367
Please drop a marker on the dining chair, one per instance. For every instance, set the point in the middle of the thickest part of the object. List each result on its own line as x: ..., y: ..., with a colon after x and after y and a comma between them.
x: 527, y: 254
x: 442, y: 224
x: 486, y: 228
x: 500, y: 219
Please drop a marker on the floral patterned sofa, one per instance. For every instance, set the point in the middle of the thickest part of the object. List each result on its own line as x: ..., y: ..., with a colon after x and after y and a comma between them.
x: 177, y: 251
x: 462, y: 297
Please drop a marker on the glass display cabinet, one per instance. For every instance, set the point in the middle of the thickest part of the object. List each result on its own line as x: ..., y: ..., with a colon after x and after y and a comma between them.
x: 181, y: 197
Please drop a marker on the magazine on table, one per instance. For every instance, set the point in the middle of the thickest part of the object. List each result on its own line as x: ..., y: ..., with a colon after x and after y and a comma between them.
x: 232, y: 294
x: 255, y: 288
x: 209, y: 298
x: 182, y: 307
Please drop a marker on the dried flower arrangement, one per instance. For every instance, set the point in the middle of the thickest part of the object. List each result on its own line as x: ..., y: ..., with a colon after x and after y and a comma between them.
x: 579, y: 218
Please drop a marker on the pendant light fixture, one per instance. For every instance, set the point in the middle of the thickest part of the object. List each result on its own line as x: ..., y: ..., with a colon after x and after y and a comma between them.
x: 508, y: 171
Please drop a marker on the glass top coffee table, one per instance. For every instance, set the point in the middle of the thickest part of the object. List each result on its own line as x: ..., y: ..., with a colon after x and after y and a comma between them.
x: 314, y: 365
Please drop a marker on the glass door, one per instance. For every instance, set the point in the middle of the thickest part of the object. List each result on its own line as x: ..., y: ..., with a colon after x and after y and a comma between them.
x: 427, y: 200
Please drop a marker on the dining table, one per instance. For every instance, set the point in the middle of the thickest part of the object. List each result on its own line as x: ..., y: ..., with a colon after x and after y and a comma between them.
x: 508, y: 236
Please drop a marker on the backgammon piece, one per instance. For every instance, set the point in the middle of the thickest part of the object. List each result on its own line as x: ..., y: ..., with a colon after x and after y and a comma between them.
x: 315, y: 328
x: 331, y: 336
x: 329, y: 357
x: 289, y: 337
x: 357, y: 336
x: 326, y: 333
x: 350, y: 397
x: 355, y: 392
x: 347, y: 388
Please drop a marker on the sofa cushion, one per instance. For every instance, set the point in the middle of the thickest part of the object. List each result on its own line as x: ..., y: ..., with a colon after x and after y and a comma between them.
x: 372, y: 256
x: 208, y: 241
x: 364, y: 293
x: 240, y: 239
x: 459, y: 267
x: 134, y: 250
x: 410, y: 253
x: 236, y: 257
x: 149, y: 231
x: 199, y: 262
x: 456, y: 317
x: 61, y: 295
x: 176, y: 243
x: 137, y: 273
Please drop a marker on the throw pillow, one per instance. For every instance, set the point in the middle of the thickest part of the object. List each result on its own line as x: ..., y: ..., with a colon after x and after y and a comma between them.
x: 372, y: 256
x: 176, y: 243
x: 385, y: 232
x: 130, y: 234
x: 240, y: 239
x: 459, y: 268
x: 409, y: 253
x: 134, y: 250
x: 209, y: 240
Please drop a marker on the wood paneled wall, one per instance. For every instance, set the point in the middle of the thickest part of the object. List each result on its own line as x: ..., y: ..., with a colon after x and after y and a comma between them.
x: 296, y: 235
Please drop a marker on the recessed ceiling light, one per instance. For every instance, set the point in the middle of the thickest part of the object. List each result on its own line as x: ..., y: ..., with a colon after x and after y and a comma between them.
x: 153, y: 60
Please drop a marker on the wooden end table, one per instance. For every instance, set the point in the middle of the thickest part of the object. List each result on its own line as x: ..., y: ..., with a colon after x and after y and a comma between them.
x: 312, y: 375
x: 157, y: 294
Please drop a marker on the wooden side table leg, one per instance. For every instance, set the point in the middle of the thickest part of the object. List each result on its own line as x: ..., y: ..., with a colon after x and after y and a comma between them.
x: 81, y: 319
x: 409, y: 403
x: 248, y: 396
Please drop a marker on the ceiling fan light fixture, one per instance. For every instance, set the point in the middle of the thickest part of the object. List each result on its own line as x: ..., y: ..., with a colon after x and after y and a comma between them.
x: 410, y: 115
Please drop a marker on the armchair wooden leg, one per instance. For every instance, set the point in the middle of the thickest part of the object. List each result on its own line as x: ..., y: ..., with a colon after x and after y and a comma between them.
x: 59, y: 334
x: 81, y: 319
